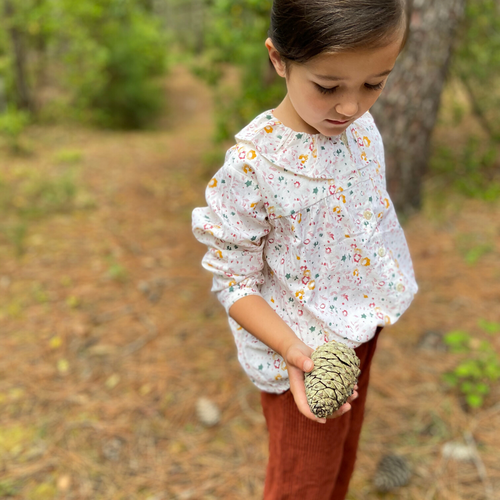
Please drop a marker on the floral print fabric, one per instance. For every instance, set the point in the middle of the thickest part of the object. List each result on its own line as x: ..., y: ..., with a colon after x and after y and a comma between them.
x: 305, y: 221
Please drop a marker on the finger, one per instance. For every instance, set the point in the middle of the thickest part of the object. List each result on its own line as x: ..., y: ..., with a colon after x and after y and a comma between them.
x: 341, y: 411
x: 297, y: 358
x: 352, y: 397
x: 299, y: 395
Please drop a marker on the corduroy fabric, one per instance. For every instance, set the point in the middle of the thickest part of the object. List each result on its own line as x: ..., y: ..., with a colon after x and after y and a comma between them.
x: 311, y: 461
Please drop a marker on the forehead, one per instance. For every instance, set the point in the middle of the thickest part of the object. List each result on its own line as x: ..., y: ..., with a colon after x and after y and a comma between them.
x: 360, y: 63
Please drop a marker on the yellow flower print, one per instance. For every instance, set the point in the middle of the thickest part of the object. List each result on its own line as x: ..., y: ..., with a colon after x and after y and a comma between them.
x: 363, y: 156
x: 303, y: 158
x: 268, y: 129
x: 219, y: 254
x: 212, y: 183
x: 387, y: 320
x: 315, y: 153
x: 251, y: 154
x: 247, y: 169
x: 311, y: 285
x: 307, y: 273
x: 365, y: 262
x: 336, y: 210
x: 299, y: 294
x: 278, y: 377
x: 355, y: 272
x: 367, y: 141
x: 232, y: 283
x: 386, y: 203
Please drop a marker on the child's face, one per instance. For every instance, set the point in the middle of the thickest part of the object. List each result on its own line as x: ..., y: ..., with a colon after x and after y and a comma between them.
x: 327, y: 93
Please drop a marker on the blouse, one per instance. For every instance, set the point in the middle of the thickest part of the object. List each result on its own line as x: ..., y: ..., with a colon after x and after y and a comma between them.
x: 305, y: 221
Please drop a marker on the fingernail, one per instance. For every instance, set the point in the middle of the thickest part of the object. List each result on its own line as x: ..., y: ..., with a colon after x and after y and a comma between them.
x: 308, y: 365
x: 321, y: 420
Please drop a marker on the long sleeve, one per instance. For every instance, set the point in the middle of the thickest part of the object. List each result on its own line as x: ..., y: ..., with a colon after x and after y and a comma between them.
x: 234, y: 226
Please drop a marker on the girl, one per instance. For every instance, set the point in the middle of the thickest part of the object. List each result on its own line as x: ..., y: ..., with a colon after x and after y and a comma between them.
x: 302, y: 237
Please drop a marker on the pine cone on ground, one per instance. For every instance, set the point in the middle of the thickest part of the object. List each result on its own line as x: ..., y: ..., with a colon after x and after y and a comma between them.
x: 207, y: 411
x: 392, y: 472
x: 332, y: 380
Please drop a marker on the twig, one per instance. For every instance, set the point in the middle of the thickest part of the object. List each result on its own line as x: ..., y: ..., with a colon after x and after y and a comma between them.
x: 481, y: 469
x: 476, y: 108
x: 138, y: 344
x: 430, y: 494
x: 99, y: 319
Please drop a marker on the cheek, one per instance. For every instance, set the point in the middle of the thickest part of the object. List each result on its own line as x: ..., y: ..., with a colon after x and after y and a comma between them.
x: 370, y: 100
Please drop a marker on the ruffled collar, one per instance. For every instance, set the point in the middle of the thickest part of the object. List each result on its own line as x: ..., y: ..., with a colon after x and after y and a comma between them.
x: 307, y: 154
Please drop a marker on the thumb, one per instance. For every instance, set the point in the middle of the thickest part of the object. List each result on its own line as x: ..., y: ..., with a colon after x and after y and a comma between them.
x: 297, y: 358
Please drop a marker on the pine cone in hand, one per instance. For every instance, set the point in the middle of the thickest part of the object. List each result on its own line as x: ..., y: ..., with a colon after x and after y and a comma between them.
x: 391, y: 473
x: 332, y: 380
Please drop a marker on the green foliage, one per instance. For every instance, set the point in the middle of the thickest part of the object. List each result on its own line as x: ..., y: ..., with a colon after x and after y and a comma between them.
x: 8, y: 488
x: 236, y: 34
x: 104, y: 58
x: 116, y: 50
x: 13, y: 123
x: 473, y: 246
x: 477, y: 59
x: 474, y: 375
x: 472, y: 168
x: 490, y: 327
x: 458, y: 341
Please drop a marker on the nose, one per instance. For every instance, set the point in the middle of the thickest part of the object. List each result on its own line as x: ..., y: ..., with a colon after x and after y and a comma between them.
x: 347, y: 107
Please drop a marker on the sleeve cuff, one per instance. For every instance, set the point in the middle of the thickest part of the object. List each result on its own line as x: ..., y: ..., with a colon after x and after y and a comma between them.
x: 230, y: 295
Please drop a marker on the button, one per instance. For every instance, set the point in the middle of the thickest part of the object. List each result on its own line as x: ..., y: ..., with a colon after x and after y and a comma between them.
x: 367, y: 214
x: 381, y: 252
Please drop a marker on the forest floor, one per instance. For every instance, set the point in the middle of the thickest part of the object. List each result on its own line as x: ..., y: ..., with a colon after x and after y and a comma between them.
x: 109, y: 334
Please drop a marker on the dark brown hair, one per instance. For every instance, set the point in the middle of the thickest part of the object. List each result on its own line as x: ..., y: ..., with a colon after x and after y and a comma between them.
x: 302, y: 29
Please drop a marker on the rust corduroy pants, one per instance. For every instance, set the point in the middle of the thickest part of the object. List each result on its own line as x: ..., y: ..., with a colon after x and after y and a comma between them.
x: 311, y: 461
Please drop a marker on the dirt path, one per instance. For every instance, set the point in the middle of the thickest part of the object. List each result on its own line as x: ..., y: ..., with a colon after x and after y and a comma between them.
x: 109, y: 335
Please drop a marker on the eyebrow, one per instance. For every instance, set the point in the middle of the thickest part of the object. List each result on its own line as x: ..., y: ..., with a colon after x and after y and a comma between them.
x: 337, y: 78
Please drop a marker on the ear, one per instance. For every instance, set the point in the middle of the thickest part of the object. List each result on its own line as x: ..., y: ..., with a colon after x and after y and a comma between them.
x: 275, y: 57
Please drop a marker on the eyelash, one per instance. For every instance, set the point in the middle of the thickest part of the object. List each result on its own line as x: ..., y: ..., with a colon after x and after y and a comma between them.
x: 324, y: 90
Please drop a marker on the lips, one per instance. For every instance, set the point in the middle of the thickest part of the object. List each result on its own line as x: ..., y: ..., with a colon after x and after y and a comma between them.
x: 337, y: 122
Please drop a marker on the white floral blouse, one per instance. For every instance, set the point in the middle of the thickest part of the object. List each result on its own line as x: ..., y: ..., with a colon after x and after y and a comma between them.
x: 305, y: 221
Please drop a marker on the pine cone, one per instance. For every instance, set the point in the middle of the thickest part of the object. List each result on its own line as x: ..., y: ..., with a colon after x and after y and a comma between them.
x: 391, y: 473
x: 208, y: 412
x: 332, y: 380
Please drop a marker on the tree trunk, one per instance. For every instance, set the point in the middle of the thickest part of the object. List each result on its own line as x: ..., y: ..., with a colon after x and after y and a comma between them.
x: 407, y: 110
x: 23, y: 94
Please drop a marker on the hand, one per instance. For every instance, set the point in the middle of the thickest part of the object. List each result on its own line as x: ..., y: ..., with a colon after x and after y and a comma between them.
x: 298, y: 360
x: 347, y: 405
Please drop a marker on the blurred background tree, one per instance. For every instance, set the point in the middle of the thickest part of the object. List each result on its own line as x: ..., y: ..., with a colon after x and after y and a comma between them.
x: 234, y: 34
x: 97, y: 60
x: 406, y: 111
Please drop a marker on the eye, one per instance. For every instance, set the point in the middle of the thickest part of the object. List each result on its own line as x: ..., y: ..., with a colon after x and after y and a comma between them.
x: 379, y: 86
x: 324, y: 90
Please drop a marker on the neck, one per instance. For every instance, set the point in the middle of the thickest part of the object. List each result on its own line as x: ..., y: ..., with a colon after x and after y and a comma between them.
x: 287, y: 115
